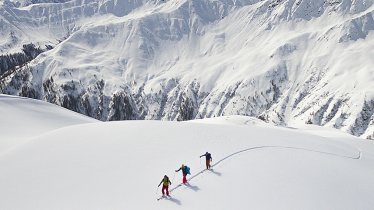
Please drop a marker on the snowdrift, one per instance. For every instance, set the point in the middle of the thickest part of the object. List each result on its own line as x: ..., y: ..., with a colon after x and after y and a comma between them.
x: 24, y: 118
x: 118, y: 165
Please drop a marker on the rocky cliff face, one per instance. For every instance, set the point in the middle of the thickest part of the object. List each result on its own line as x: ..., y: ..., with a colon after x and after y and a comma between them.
x: 284, y: 61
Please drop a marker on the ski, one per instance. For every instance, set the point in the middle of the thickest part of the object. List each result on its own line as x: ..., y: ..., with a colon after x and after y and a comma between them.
x: 160, y: 197
x: 164, y: 196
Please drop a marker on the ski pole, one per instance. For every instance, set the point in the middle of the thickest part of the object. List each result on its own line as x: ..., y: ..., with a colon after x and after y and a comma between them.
x: 157, y: 190
x: 172, y: 180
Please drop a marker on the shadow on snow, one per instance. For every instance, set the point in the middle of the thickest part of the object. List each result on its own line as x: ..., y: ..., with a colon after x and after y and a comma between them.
x: 192, y: 187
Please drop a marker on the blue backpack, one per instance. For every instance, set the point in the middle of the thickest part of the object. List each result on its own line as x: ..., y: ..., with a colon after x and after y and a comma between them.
x: 188, y: 170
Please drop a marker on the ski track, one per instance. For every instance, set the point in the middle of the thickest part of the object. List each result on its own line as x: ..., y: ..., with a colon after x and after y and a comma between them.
x: 264, y: 147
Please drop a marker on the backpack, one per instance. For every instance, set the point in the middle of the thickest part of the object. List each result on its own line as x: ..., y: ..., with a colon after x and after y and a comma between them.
x: 188, y: 170
x: 166, y: 181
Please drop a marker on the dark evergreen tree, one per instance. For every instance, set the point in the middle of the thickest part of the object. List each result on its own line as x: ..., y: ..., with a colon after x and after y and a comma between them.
x: 9, y: 62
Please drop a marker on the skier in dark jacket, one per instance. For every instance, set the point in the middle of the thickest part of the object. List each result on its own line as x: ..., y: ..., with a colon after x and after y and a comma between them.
x: 208, y: 159
x: 185, y: 171
x: 165, y: 185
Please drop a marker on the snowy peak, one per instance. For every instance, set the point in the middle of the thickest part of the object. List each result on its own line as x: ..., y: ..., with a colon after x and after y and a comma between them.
x: 284, y: 61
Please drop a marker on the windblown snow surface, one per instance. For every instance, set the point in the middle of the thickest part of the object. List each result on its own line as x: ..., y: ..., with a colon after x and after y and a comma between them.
x: 23, y: 118
x: 285, y: 61
x: 118, y: 165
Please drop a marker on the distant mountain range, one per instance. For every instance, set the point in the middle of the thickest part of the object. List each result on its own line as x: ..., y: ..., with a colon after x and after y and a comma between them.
x: 284, y: 61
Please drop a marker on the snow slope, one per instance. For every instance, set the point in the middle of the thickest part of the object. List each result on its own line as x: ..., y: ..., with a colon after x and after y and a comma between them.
x: 118, y: 165
x: 24, y: 118
x: 285, y: 61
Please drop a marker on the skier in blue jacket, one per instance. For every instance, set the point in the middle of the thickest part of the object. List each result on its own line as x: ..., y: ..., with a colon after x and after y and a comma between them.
x: 185, y: 171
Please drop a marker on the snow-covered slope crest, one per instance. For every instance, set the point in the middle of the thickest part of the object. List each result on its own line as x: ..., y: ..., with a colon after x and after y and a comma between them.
x: 284, y: 61
x: 24, y: 118
x: 117, y: 165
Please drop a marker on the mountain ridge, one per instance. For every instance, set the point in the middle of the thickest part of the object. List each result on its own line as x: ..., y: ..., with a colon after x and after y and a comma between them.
x: 284, y: 61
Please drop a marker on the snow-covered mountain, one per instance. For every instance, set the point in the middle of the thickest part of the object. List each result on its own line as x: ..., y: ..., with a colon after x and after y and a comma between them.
x: 284, y: 61
x: 79, y: 163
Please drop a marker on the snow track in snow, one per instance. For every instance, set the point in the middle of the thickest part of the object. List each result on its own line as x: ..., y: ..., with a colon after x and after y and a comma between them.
x: 356, y: 157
